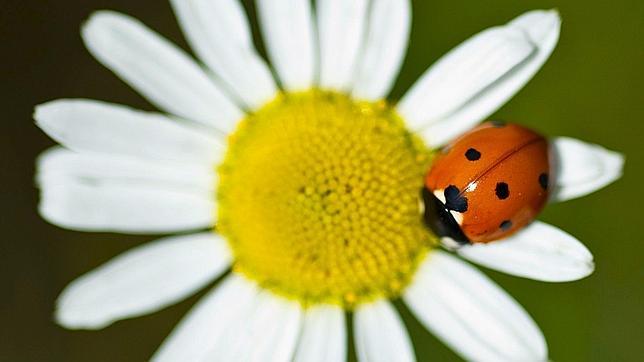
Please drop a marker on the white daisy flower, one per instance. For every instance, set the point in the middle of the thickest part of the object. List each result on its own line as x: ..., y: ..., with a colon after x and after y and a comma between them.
x: 302, y: 187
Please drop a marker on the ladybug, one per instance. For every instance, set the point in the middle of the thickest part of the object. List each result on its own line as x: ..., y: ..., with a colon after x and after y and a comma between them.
x: 487, y: 184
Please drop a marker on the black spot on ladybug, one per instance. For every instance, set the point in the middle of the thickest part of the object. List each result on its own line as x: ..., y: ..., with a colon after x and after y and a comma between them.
x: 506, y: 225
x: 472, y: 154
x: 451, y: 191
x: 454, y: 200
x: 502, y: 190
x: 543, y: 181
x: 498, y: 123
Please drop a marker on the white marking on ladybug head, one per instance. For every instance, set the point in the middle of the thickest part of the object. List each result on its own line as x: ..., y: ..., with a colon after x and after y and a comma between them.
x: 457, y: 216
x: 440, y: 194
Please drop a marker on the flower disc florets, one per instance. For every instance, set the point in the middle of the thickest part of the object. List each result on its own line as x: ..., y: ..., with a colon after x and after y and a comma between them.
x: 319, y: 198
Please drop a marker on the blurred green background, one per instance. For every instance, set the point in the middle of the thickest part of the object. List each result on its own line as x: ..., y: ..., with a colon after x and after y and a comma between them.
x: 592, y: 88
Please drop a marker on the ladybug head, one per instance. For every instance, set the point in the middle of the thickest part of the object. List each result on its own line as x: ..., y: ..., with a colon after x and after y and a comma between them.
x: 439, y: 218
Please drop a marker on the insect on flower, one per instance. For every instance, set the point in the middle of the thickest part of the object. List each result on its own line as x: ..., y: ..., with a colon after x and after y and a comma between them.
x: 488, y: 184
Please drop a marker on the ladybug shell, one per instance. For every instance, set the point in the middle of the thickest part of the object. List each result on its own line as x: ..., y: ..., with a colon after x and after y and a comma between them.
x: 492, y: 180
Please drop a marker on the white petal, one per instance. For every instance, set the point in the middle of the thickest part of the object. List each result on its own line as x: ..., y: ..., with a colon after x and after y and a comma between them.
x: 289, y: 34
x: 583, y: 168
x: 463, y: 73
x: 380, y: 334
x: 58, y: 165
x: 323, y: 337
x: 540, y: 251
x: 86, y: 125
x: 471, y: 314
x: 86, y: 206
x: 158, y: 69
x: 479, y: 76
x: 384, y: 48
x: 142, y: 280
x: 341, y: 29
x: 209, y: 321
x: 219, y: 33
x: 268, y: 333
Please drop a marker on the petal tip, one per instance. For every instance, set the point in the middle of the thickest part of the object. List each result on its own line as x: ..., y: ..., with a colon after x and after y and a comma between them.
x: 39, y: 113
x: 67, y: 317
x: 584, y: 168
x: 43, y: 120
x: 582, y: 268
x: 97, y: 18
x: 47, y: 211
x: 585, y: 266
x: 75, y: 323
x: 539, y: 25
x: 616, y: 160
x: 102, y: 15
x: 99, y: 24
x: 51, y: 118
x: 549, y: 16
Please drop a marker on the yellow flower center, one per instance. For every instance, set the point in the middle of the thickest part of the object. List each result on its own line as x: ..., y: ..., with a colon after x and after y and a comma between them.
x: 319, y: 199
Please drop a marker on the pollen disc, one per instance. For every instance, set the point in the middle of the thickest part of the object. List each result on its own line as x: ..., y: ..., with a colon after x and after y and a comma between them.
x: 319, y: 199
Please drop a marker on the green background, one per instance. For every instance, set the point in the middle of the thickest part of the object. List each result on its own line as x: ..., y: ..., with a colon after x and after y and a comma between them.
x: 592, y: 88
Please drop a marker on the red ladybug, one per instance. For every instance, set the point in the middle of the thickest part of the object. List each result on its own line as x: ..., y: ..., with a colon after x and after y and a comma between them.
x: 488, y: 183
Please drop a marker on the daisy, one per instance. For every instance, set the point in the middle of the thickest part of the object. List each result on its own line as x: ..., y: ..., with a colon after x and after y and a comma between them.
x: 298, y: 184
